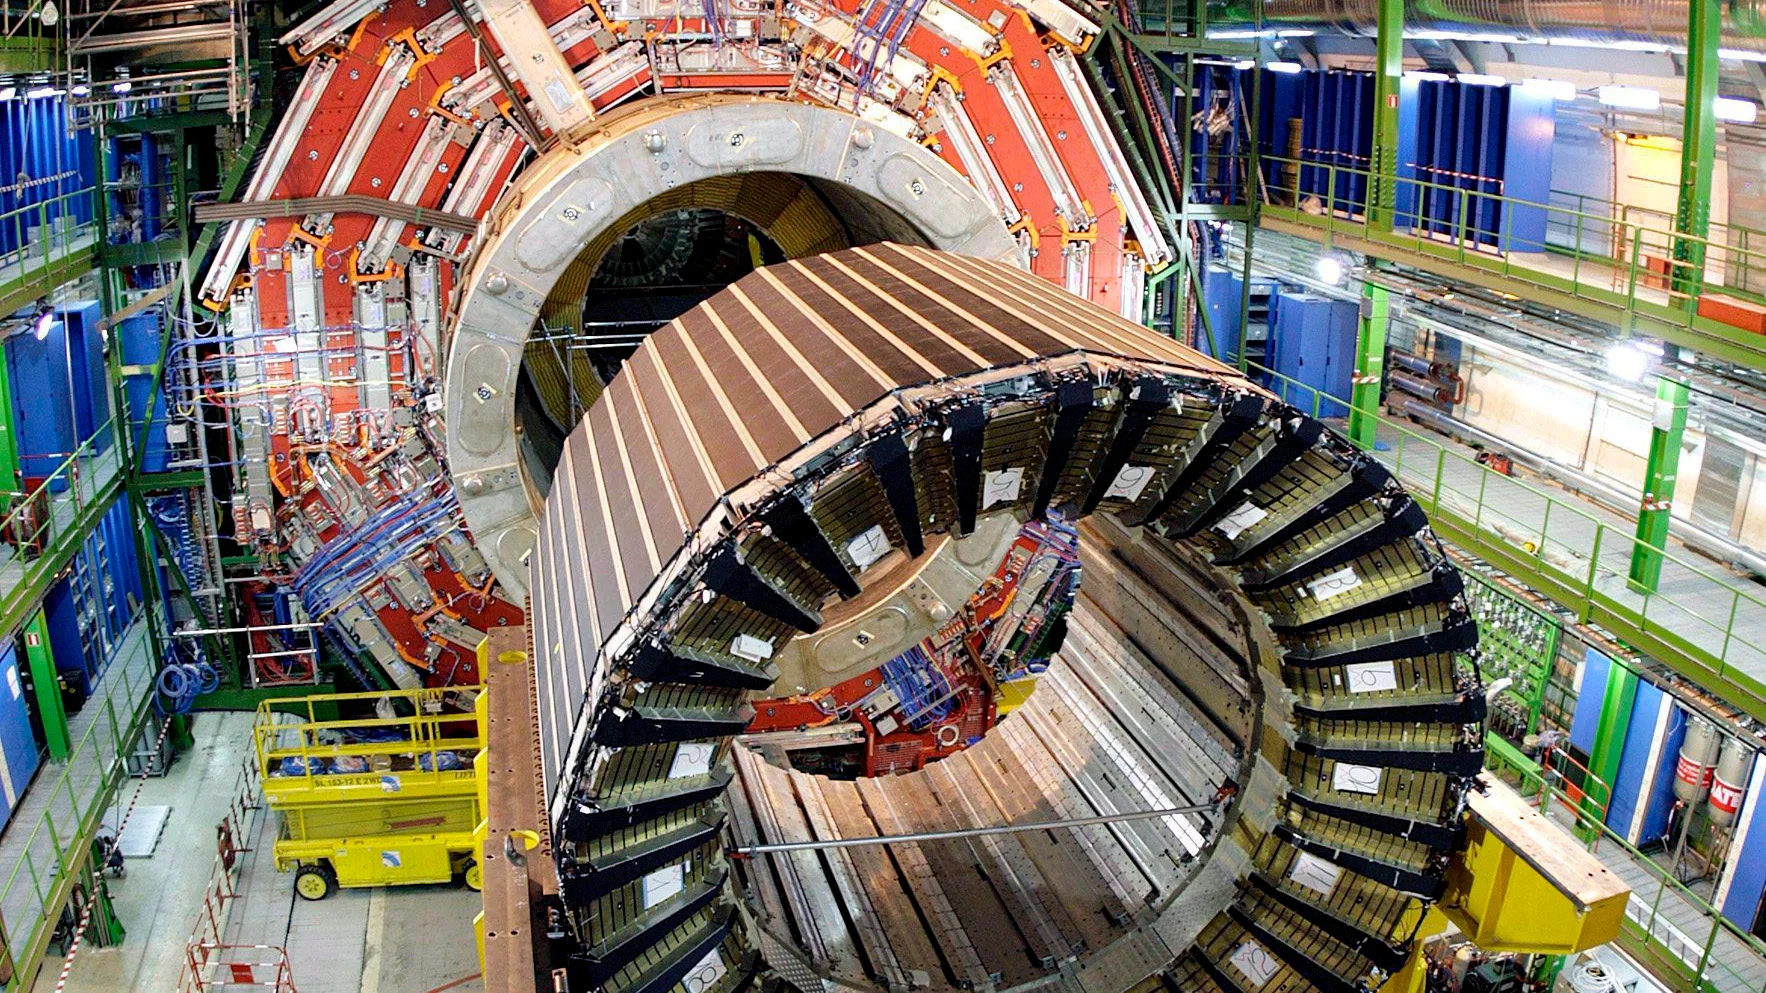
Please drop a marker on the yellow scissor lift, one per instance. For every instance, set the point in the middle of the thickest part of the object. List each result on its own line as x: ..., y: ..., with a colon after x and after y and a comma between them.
x: 377, y: 801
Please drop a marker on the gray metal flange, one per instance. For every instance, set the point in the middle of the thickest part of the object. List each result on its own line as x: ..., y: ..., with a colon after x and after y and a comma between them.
x: 561, y: 202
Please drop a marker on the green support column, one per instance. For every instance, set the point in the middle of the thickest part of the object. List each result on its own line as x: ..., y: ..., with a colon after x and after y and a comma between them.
x: 1370, y: 366
x: 46, y: 686
x: 1698, y: 151
x: 1609, y: 738
x: 8, y: 437
x: 1667, y: 431
x: 1388, y: 72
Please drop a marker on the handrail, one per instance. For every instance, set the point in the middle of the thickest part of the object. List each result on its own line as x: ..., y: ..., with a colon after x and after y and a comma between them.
x: 30, y: 529
x: 105, y: 732
x: 1564, y: 552
x: 37, y: 258
x: 1473, y: 228
x: 1536, y: 785
x: 419, y: 733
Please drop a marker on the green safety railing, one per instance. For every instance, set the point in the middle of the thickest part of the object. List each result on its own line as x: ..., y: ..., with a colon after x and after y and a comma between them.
x: 44, y: 525
x: 58, y: 844
x: 1698, y: 620
x: 1709, y: 958
x: 1637, y: 274
x: 54, y: 246
x: 1731, y: 258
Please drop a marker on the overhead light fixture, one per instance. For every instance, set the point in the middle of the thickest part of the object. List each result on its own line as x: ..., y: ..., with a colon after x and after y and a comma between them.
x: 1289, y: 67
x: 1561, y: 90
x: 1480, y: 79
x: 1245, y: 64
x: 1627, y: 361
x: 49, y: 14
x: 1420, y: 74
x: 1295, y: 33
x: 40, y: 325
x: 81, y: 90
x: 1735, y: 110
x: 8, y: 92
x: 122, y: 87
x: 1330, y: 269
x: 1629, y: 97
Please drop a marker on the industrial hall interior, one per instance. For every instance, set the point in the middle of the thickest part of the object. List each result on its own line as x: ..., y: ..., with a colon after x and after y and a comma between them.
x: 883, y: 496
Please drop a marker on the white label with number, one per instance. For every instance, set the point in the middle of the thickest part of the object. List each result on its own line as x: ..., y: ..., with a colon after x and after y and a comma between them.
x: 868, y: 547
x: 1242, y: 517
x: 664, y: 883
x: 1356, y: 778
x: 1002, y: 486
x: 1371, y: 677
x: 1334, y: 583
x: 692, y: 758
x: 1254, y: 962
x: 1316, y: 874
x: 1130, y: 482
x: 706, y: 974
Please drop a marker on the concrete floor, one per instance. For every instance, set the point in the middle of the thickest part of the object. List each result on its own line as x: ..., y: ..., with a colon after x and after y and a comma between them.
x: 403, y: 940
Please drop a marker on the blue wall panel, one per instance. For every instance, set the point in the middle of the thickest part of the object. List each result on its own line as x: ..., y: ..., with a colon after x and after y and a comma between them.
x: 1526, y: 175
x: 139, y: 338
x: 1222, y: 293
x: 1634, y: 764
x: 1743, y: 900
x: 67, y: 644
x: 1661, y: 799
x: 53, y: 160
x: 18, y: 747
x: 1473, y: 144
x: 91, y: 386
x: 1586, y: 722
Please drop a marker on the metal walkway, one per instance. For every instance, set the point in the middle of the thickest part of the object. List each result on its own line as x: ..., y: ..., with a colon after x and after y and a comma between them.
x: 1681, y: 930
x: 51, y: 829
x: 1582, y: 544
x: 1600, y: 260
x: 45, y: 531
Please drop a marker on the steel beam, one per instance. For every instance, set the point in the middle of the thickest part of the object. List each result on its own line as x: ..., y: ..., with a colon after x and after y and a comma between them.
x: 1667, y: 431
x: 1388, y: 73
x: 1370, y: 366
x: 1698, y: 150
x: 46, y: 688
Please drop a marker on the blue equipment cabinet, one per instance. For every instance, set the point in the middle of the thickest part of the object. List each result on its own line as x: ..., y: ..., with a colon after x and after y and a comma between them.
x: 61, y: 615
x: 1312, y: 341
x: 90, y: 384
x: 1222, y: 293
x: 42, y: 410
x: 19, y: 756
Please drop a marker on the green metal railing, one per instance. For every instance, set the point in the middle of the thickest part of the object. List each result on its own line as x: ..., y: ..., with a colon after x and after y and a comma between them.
x: 54, y: 246
x: 1705, y: 960
x: 1700, y: 621
x: 1637, y: 275
x: 45, y: 526
x: 58, y: 844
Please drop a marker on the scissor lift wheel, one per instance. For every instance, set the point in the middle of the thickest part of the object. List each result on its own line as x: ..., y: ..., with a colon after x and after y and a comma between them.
x: 315, y: 881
